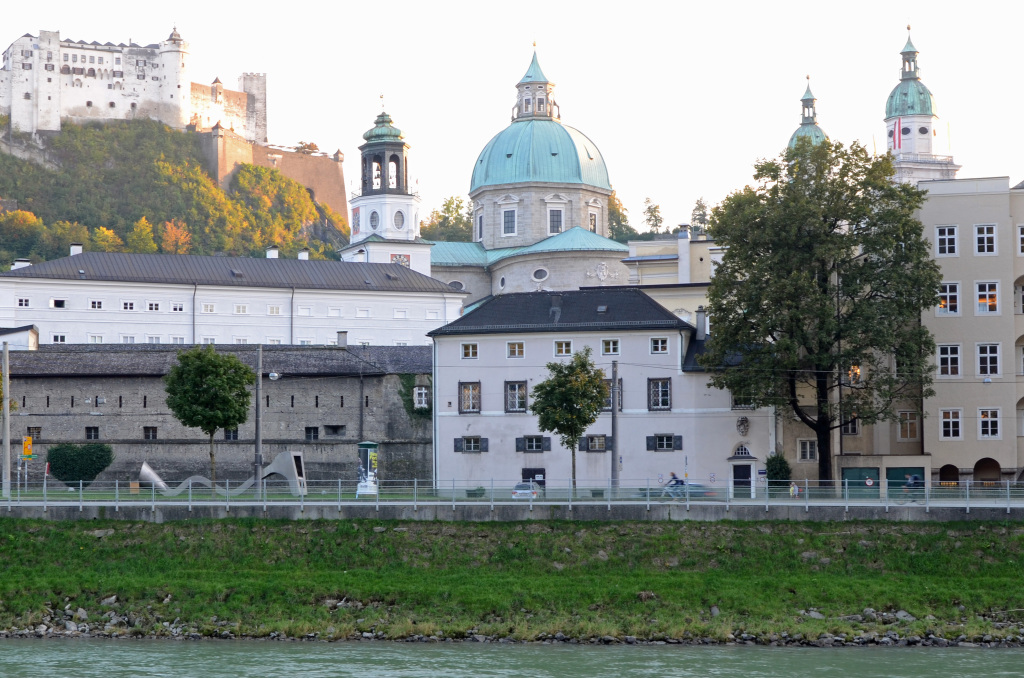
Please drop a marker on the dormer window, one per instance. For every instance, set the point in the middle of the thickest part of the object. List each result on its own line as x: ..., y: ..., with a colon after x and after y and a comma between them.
x: 527, y: 105
x: 540, y: 104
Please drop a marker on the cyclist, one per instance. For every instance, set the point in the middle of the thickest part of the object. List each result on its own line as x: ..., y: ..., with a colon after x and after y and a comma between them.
x: 910, y: 487
x: 675, y: 486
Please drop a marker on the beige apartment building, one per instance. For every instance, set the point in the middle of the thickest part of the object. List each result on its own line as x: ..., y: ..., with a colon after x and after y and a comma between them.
x: 974, y: 426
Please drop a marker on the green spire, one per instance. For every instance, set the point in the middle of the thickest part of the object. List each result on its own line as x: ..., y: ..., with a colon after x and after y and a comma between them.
x: 533, y: 73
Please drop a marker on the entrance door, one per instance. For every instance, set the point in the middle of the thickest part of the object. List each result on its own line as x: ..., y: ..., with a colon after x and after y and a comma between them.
x: 741, y: 486
x: 536, y: 475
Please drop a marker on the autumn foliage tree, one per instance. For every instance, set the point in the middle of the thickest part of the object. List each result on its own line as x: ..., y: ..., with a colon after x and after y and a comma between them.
x: 175, y: 238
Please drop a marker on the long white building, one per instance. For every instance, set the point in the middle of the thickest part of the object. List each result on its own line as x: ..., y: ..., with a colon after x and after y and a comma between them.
x: 46, y: 79
x: 103, y: 297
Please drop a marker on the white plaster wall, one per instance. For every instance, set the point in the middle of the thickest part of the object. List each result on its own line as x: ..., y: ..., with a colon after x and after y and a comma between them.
x: 702, y: 416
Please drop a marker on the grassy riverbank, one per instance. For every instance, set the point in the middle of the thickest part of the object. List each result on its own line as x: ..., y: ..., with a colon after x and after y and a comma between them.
x: 518, y: 580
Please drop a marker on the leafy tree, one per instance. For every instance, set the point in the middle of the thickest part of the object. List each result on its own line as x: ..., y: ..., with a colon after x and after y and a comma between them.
x: 140, y: 238
x: 569, y: 401
x: 777, y: 468
x: 619, y: 229
x: 699, y: 217
x: 55, y: 242
x: 175, y: 238
x: 71, y: 463
x: 105, y: 240
x: 652, y: 216
x: 820, y: 291
x: 209, y: 391
x: 453, y: 223
x: 19, y: 232
x: 307, y: 147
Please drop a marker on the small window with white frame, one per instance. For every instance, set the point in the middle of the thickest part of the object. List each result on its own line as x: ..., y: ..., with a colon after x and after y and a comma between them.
x: 127, y: 305
x: 949, y: 360
x: 609, y: 347
x: 985, y: 240
x: 563, y: 348
x: 508, y: 222
x: 659, y: 345
x: 177, y: 340
x: 209, y: 340
x: 421, y: 397
x: 909, y: 426
x: 95, y: 338
x: 273, y: 309
x: 988, y: 298
x: 1020, y: 239
x: 851, y: 427
x: 209, y: 308
x: 988, y: 360
x: 152, y: 339
x: 949, y: 425
x: 598, y: 443
x: 127, y: 339
x: 60, y: 339
x: 96, y: 304
x: 401, y: 314
x: 946, y: 241
x: 988, y: 423
x: 470, y: 351
x: 515, y: 349
x: 22, y: 302
x: 241, y: 309
x: 807, y: 450
x: 949, y: 299
x: 153, y: 306
x: 242, y: 340
x: 554, y: 221
x: 177, y: 307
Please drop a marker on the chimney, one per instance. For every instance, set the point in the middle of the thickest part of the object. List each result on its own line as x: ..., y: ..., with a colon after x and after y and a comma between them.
x: 20, y: 263
x: 701, y: 323
x: 304, y: 254
x: 272, y: 252
x: 343, y: 339
x: 684, y: 231
x: 76, y: 248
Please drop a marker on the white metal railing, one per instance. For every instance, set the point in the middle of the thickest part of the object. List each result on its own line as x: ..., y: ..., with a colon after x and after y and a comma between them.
x: 966, y: 494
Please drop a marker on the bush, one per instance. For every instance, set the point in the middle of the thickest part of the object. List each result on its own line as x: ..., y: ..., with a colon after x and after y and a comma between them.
x: 70, y: 463
x: 778, y: 473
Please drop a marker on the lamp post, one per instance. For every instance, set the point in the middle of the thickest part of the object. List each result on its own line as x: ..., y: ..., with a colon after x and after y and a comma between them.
x: 258, y: 460
x: 6, y: 388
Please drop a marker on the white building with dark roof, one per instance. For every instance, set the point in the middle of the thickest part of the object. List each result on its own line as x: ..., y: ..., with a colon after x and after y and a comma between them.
x: 487, y: 363
x: 103, y: 298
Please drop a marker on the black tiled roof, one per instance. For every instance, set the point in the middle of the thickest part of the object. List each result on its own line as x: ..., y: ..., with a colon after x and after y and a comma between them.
x: 623, y: 309
x: 188, y: 269
x: 121, y: 360
x: 13, y: 330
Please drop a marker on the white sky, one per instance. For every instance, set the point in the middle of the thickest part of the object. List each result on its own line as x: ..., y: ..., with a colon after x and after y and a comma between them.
x: 682, y: 98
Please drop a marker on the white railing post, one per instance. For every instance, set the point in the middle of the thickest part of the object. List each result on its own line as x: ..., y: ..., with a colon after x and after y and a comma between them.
x: 44, y: 490
x: 968, y: 502
x: 190, y: 495
x: 492, y: 494
x: 376, y: 496
x: 883, y: 484
x: 79, y: 495
x: 729, y: 490
x: 416, y: 494
x: 767, y: 492
x: 152, y: 498
x: 648, y: 494
x: 807, y: 495
x: 453, y: 497
x: 570, y: 496
x: 609, y: 493
x: 687, y: 488
x: 1007, y: 495
x: 117, y: 495
x: 227, y: 494
x: 846, y: 493
x: 264, y: 495
x: 339, y: 495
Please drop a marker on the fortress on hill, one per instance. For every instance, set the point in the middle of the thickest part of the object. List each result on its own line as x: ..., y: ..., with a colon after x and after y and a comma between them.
x: 46, y: 80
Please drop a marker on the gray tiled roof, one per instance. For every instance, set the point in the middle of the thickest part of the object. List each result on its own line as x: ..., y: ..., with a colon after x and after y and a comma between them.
x: 13, y: 330
x: 188, y: 269
x: 92, y: 360
x: 623, y: 309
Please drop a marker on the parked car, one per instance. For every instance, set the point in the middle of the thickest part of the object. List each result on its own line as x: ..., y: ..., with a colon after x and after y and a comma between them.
x: 525, y: 490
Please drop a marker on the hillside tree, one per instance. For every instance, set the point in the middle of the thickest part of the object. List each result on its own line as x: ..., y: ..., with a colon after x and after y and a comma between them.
x: 175, y: 238
x: 569, y: 401
x: 820, y: 290
x: 452, y: 223
x: 140, y: 238
x: 699, y: 217
x: 209, y: 391
x: 619, y: 229
x: 652, y: 216
x: 105, y: 240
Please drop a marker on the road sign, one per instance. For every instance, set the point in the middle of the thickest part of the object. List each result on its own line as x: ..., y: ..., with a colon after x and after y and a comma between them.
x: 26, y: 446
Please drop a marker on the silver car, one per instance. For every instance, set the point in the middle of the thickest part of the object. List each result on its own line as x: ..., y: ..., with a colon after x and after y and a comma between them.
x: 525, y: 490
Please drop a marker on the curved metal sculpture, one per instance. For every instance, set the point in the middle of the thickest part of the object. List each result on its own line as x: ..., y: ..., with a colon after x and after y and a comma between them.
x: 288, y: 464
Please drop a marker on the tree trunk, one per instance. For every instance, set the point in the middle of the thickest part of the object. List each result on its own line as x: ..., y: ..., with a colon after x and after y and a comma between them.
x: 573, y: 449
x: 213, y: 465
x: 823, y: 430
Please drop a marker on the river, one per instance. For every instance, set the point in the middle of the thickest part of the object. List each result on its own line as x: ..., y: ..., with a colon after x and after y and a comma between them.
x: 217, y: 659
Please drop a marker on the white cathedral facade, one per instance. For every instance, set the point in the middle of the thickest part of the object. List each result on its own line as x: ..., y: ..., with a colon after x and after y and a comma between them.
x: 46, y: 79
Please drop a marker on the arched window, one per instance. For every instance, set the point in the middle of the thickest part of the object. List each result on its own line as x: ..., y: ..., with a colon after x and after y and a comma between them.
x: 392, y: 174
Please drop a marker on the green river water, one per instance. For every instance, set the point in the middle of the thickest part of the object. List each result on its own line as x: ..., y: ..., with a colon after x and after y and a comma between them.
x: 216, y: 659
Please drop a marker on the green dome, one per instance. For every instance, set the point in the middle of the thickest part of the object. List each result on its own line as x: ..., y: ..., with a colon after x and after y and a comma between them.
x: 383, y: 130
x: 910, y: 97
x: 539, y: 151
x: 809, y: 131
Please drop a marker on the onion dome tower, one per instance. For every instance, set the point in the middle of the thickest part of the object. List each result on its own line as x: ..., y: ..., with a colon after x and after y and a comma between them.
x: 808, y: 128
x: 385, y: 207
x: 537, y: 177
x: 910, y: 121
